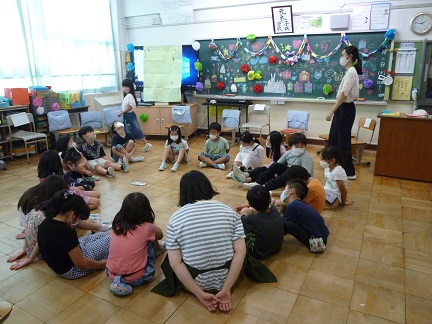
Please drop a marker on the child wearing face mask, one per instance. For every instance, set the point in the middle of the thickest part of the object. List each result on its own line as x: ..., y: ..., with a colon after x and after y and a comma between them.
x: 95, y: 154
x: 82, y: 169
x: 300, y: 219
x: 250, y: 155
x: 123, y: 145
x: 216, y: 149
x: 176, y: 149
x: 280, y: 172
x: 336, y: 178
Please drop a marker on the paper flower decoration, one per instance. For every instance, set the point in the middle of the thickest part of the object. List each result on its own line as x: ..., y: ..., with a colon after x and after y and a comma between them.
x: 250, y: 37
x: 40, y: 110
x: 37, y: 102
x: 251, y: 75
x: 368, y: 83
x: 390, y: 34
x: 196, y: 46
x: 55, y: 106
x: 143, y: 117
x: 327, y: 89
x: 199, y: 86
x: 233, y: 88
x: 272, y: 59
x: 220, y: 85
x: 258, y: 88
x: 198, y: 65
x: 258, y: 75
x: 245, y: 68
x: 130, y: 67
x: 130, y: 47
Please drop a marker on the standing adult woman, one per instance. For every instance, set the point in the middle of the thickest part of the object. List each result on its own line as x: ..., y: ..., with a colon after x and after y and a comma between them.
x: 344, y: 110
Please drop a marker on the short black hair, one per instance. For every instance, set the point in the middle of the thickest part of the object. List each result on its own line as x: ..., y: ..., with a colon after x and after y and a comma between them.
x: 331, y: 152
x: 298, y: 172
x: 297, y: 138
x: 195, y: 186
x: 135, y: 210
x: 258, y: 198
x: 72, y: 155
x: 49, y: 164
x: 216, y: 126
x: 63, y: 143
x: 63, y: 202
x: 299, y: 187
x: 84, y: 130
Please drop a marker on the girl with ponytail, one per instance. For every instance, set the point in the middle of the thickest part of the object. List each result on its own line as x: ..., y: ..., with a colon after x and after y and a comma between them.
x: 343, y: 111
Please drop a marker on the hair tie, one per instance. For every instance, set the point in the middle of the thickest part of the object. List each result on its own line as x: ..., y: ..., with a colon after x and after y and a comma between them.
x: 355, y: 62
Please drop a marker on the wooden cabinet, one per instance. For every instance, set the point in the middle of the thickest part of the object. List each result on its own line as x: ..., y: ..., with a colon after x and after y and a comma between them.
x: 5, y: 136
x: 159, y: 116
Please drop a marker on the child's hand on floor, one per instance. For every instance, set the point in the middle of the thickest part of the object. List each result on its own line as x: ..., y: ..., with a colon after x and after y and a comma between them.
x: 349, y: 202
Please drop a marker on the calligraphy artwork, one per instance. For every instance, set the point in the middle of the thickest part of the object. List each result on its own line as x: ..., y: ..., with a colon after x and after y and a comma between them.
x: 282, y: 19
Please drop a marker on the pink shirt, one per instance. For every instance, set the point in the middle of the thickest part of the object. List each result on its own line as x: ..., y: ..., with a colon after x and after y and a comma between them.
x: 128, y: 253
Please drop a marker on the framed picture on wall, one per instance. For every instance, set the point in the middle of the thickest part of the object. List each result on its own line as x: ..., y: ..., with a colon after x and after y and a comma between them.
x: 282, y: 19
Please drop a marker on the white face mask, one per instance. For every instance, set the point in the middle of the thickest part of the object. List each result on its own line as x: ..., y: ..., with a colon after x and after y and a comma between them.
x: 324, y: 164
x: 297, y: 151
x: 174, y: 137
x: 343, y: 60
x: 213, y: 137
x: 284, y: 195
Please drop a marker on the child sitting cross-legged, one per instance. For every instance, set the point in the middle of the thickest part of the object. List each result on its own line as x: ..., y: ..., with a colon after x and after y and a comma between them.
x: 216, y: 149
x: 123, y: 145
x: 300, y: 219
x: 95, y: 154
x: 262, y: 224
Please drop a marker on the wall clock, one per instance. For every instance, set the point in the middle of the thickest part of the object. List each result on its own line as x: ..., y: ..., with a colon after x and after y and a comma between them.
x: 421, y: 23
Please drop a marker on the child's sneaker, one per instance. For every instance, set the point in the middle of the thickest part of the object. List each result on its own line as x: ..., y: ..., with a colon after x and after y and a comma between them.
x: 137, y: 158
x: 249, y: 185
x: 111, y: 172
x: 162, y: 166
x: 203, y: 165
x: 229, y: 175
x: 238, y: 176
x: 125, y: 167
x: 220, y: 166
x: 120, y: 288
x: 147, y: 147
x: 175, y: 167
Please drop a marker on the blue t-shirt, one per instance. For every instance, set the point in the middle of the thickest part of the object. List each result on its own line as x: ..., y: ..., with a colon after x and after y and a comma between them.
x: 308, y: 218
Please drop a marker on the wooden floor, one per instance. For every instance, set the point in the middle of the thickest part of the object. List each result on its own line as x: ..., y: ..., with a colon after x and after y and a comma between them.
x: 377, y: 268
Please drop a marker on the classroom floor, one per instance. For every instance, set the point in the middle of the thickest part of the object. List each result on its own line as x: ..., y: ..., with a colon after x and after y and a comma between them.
x: 377, y: 267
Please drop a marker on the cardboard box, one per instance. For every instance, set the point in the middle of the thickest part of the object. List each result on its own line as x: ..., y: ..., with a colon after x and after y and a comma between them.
x: 19, y: 96
x: 48, y: 99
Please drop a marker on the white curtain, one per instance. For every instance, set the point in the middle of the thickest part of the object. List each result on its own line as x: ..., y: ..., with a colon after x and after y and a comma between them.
x: 65, y: 44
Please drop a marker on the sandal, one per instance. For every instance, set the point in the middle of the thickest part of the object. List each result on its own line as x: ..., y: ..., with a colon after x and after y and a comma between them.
x: 5, y: 309
x: 20, y: 236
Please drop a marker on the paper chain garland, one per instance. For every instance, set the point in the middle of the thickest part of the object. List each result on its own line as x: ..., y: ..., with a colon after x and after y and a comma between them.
x: 294, y: 56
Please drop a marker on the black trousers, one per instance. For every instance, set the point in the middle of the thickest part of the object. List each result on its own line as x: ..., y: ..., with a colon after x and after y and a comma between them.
x: 255, y: 173
x: 284, y: 174
x: 298, y: 232
x: 340, y: 134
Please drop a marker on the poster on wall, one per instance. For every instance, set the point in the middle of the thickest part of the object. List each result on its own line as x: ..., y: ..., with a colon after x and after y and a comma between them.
x: 282, y: 19
x: 361, y: 18
x: 176, y: 12
x: 405, y: 60
x: 162, y: 73
x: 402, y: 87
x: 312, y: 23
x: 379, y: 16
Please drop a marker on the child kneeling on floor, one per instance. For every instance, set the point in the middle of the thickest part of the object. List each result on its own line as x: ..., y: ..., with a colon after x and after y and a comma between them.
x: 300, y: 219
x: 134, y: 245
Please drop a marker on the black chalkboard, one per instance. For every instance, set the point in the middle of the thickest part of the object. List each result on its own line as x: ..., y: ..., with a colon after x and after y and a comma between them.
x: 302, y: 79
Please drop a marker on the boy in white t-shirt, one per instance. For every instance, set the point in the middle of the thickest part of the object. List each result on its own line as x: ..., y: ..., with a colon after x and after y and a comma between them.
x: 336, y: 178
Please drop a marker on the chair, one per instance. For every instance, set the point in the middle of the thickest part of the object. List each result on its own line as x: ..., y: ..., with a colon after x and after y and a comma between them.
x: 29, y: 137
x: 182, y: 118
x: 357, y: 143
x: 230, y: 123
x: 258, y: 118
x: 297, y: 122
x: 59, y: 123
x: 94, y: 119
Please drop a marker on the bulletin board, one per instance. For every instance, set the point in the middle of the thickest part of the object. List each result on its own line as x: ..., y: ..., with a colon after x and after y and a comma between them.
x: 299, y: 75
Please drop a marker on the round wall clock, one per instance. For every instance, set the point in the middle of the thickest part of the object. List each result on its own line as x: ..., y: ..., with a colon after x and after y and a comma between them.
x: 421, y: 23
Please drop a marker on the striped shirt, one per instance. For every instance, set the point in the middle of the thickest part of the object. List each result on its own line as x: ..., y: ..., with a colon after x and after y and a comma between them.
x: 205, y: 231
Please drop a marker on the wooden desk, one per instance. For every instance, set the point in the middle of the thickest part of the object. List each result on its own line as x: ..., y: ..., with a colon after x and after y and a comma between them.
x: 404, y: 148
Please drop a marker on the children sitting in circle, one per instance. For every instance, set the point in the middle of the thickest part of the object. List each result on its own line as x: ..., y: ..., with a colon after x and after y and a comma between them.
x: 133, y: 246
x: 176, y: 149
x: 336, y: 178
x: 123, y: 145
x: 66, y: 254
x: 250, y: 155
x: 95, y: 154
x: 216, y: 149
